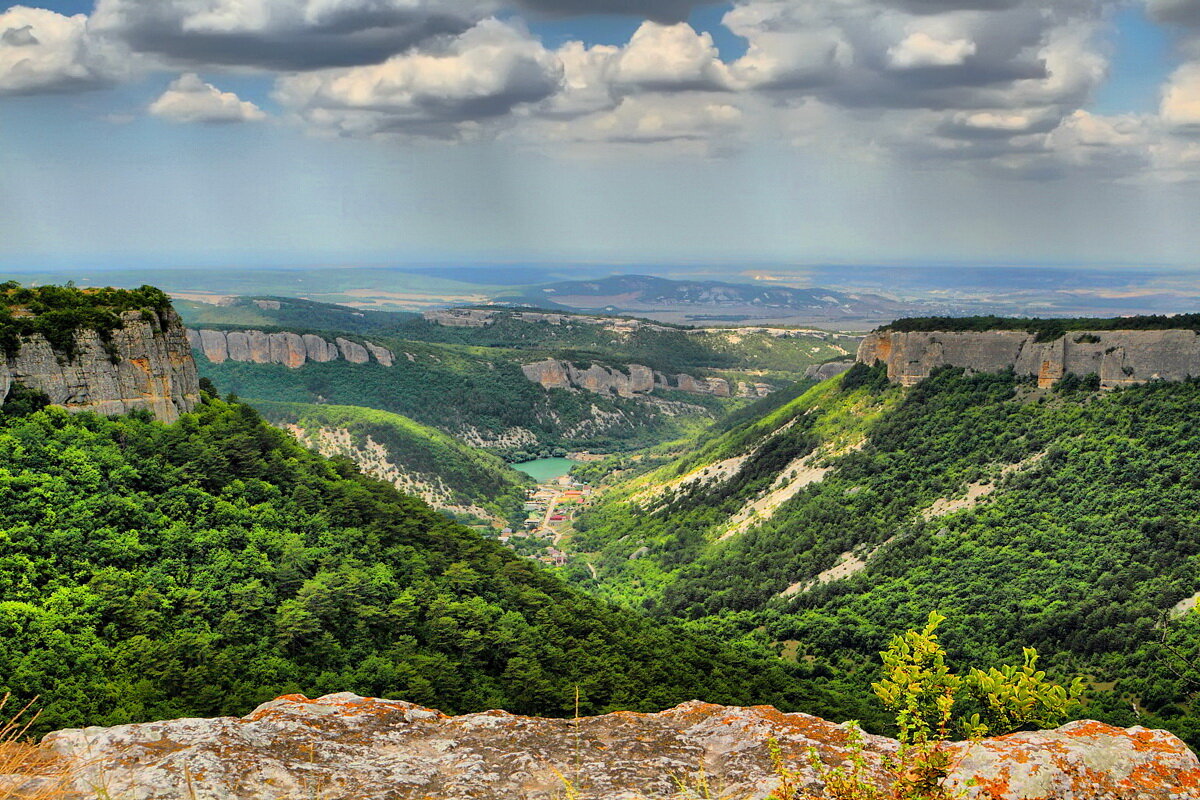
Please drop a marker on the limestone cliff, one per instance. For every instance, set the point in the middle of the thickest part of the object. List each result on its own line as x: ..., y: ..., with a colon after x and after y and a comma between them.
x: 830, y: 369
x: 1119, y: 358
x: 345, y: 746
x: 637, y: 380
x: 293, y: 350
x: 146, y: 364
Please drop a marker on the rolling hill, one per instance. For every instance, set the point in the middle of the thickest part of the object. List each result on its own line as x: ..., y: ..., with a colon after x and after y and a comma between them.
x: 469, y: 483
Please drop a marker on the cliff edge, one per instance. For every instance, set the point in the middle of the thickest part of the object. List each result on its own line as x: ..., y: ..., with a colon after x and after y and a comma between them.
x: 345, y: 746
x: 142, y: 360
x: 1118, y: 357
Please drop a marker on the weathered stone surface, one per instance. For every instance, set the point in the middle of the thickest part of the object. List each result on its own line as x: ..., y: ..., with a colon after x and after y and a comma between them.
x: 344, y: 746
x: 260, y: 347
x: 212, y: 344
x: 745, y: 389
x: 290, y: 349
x: 319, y: 350
x: 1119, y: 358
x: 239, y: 345
x: 554, y: 374
x: 353, y: 352
x: 148, y: 364
x: 382, y: 354
x: 831, y: 369
x: 550, y: 374
x: 460, y: 317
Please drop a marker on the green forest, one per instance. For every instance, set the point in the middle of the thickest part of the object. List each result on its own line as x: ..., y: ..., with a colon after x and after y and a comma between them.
x: 59, y: 312
x: 1047, y: 330
x: 472, y: 476
x: 1091, y: 537
x: 153, y: 571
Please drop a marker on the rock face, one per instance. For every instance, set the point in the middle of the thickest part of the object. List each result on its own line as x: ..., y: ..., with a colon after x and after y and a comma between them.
x: 290, y: 349
x: 345, y: 746
x: 1120, y: 358
x: 554, y: 374
x: 147, y: 365
x: 831, y: 369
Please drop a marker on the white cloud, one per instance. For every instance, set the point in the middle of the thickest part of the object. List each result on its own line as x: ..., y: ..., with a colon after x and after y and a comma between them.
x: 669, y: 58
x: 480, y: 75
x: 697, y: 123
x: 189, y: 99
x: 919, y: 49
x: 41, y: 51
x: 1180, y: 108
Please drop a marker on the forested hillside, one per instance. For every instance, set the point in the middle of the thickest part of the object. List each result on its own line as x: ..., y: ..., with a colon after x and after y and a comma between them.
x: 417, y: 459
x: 154, y: 571
x: 1065, y: 519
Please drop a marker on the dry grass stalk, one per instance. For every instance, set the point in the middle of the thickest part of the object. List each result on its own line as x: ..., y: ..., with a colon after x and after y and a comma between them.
x: 28, y: 772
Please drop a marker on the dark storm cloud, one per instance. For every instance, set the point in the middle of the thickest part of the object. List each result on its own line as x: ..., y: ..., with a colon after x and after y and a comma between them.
x: 1179, y: 12
x: 279, y: 34
x: 665, y: 11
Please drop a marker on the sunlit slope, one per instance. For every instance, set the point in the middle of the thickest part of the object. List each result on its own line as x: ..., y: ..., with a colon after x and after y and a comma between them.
x: 415, y: 458
x: 1068, y: 520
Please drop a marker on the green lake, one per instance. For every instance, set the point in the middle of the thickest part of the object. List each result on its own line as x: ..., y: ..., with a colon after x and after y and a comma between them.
x: 545, y: 469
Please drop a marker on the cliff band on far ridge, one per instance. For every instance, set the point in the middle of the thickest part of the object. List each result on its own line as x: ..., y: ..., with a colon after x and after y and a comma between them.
x: 292, y: 350
x: 555, y: 374
x: 1118, y: 357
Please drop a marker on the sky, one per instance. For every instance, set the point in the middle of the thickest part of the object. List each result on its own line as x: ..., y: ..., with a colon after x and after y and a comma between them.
x: 182, y: 133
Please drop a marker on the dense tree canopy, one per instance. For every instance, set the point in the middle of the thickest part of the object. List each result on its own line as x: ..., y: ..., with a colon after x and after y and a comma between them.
x: 151, y: 571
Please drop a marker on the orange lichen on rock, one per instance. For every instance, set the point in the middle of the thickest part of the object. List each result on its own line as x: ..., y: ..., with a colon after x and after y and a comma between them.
x: 345, y: 746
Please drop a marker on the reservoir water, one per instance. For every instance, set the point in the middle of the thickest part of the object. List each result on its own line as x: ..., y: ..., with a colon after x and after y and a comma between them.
x: 545, y: 469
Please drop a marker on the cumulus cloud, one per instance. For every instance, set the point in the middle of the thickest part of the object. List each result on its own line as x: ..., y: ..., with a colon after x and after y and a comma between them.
x: 669, y: 58
x: 189, y: 99
x: 41, y: 51
x: 919, y: 49
x: 283, y: 34
x: 1180, y: 108
x: 480, y: 75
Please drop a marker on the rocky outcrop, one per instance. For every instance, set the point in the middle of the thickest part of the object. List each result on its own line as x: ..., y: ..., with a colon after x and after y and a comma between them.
x: 830, y: 369
x: 345, y: 746
x: 293, y: 350
x: 639, y: 380
x: 1119, y: 358
x: 147, y: 364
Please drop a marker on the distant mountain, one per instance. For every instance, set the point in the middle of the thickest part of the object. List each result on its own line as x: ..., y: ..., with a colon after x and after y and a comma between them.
x: 697, y: 302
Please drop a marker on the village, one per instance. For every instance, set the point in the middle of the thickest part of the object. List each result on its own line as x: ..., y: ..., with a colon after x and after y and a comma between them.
x: 551, y: 508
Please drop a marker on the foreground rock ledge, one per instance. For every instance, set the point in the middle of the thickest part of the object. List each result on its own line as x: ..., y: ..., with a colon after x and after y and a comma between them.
x: 345, y: 746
